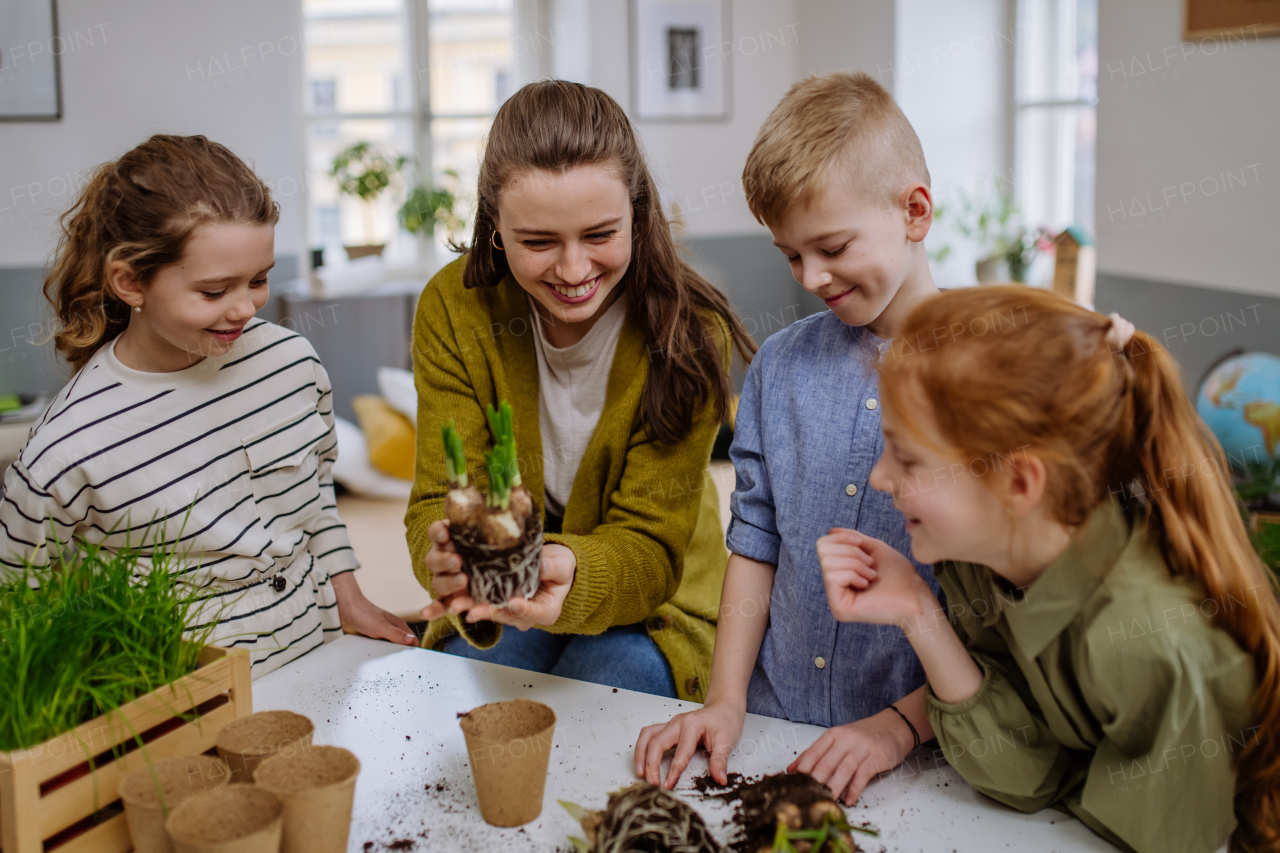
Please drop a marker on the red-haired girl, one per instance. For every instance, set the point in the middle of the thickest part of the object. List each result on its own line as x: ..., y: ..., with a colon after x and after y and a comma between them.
x: 1111, y: 643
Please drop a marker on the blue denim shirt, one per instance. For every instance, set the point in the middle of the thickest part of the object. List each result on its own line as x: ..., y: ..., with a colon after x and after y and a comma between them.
x: 807, y: 435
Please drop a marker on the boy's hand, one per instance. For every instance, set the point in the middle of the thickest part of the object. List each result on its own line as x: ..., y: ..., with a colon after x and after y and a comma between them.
x: 867, y: 580
x: 359, y: 615
x: 845, y: 758
x: 717, y: 725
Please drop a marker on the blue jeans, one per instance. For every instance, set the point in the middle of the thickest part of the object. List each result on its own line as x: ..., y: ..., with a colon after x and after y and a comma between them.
x: 624, y: 657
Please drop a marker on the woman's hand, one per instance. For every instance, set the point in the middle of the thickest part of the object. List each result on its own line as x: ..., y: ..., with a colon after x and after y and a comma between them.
x: 868, y: 581
x: 555, y: 579
x: 447, y: 580
x: 556, y: 573
x: 717, y: 725
x: 359, y: 615
x: 845, y: 758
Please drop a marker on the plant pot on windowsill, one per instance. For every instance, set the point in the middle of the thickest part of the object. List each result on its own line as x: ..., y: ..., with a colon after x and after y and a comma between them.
x: 364, y: 251
x: 992, y: 270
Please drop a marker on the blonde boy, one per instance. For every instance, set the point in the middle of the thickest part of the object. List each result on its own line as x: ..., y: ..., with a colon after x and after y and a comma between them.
x: 838, y: 176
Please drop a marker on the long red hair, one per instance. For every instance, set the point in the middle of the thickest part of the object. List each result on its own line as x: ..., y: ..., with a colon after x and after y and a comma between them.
x: 1011, y: 366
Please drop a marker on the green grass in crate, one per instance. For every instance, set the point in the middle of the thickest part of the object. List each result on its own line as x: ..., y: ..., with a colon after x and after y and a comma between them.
x: 96, y: 634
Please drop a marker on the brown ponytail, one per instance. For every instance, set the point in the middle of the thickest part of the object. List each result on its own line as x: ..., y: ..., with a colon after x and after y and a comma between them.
x: 555, y: 125
x: 142, y: 209
x: 1006, y: 367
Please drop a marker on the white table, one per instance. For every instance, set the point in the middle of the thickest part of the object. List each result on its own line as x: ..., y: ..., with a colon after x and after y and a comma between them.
x: 396, y: 709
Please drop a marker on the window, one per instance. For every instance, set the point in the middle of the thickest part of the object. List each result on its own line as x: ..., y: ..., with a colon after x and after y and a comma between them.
x: 416, y: 78
x: 1056, y: 92
x: 323, y: 96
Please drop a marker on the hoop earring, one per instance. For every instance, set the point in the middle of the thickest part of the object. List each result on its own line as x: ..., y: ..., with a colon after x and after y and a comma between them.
x: 493, y: 241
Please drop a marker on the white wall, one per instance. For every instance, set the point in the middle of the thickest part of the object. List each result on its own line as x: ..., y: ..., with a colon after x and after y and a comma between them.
x: 700, y: 164
x: 1188, y: 151
x: 143, y: 68
x: 950, y: 75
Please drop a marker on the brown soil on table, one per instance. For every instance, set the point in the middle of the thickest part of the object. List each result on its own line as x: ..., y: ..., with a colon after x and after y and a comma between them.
x: 759, y: 803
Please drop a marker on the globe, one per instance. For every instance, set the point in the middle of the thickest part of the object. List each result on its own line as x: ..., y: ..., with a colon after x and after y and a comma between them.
x: 1240, y: 402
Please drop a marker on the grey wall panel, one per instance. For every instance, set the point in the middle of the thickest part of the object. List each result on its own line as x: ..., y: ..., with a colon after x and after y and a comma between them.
x: 1197, y: 325
x: 29, y: 366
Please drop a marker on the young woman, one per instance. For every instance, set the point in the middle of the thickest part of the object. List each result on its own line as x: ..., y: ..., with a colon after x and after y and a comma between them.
x: 571, y: 303
x: 188, y: 425
x: 1113, y: 644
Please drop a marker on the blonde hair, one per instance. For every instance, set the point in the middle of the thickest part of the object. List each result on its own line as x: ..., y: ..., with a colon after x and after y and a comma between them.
x: 839, y: 125
x: 1039, y: 372
x: 142, y: 209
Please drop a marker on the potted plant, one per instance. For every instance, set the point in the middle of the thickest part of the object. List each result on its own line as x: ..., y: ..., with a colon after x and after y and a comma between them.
x: 998, y: 229
x: 498, y: 535
x: 1257, y: 487
x: 102, y: 677
x: 429, y: 206
x: 365, y: 172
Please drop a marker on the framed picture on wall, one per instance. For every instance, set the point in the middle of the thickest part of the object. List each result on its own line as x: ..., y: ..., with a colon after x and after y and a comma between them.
x: 681, y: 60
x: 30, y: 83
x: 1245, y: 18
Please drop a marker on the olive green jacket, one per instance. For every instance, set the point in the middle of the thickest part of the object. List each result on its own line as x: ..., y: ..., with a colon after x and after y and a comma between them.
x: 642, y: 519
x: 1108, y: 690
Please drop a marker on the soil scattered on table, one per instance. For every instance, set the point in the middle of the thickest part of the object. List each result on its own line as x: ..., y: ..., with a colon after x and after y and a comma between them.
x: 797, y: 799
x: 706, y: 783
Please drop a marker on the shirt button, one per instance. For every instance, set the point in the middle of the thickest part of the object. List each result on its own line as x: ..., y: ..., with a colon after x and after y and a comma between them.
x: 872, y: 403
x: 851, y: 490
x: 820, y: 662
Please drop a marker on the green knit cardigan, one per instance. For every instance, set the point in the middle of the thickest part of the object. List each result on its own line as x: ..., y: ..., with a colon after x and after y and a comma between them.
x: 642, y: 519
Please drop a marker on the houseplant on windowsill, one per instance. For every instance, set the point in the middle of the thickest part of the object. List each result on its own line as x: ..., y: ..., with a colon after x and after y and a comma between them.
x: 1009, y: 245
x: 363, y: 171
x: 430, y: 206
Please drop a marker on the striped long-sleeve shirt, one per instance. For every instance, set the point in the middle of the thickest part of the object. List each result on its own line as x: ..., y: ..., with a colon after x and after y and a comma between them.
x: 227, y: 462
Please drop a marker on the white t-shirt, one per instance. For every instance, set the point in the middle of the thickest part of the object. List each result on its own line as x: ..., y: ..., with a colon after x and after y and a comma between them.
x: 571, y: 388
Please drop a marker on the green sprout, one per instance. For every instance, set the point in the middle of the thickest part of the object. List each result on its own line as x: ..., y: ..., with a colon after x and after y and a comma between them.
x: 828, y: 838
x: 503, y: 468
x: 92, y: 635
x: 455, y: 460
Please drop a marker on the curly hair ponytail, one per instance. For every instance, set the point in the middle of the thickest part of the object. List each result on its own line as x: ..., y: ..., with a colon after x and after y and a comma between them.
x: 141, y: 209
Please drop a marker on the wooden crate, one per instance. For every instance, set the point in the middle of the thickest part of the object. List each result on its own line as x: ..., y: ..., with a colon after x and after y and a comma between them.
x: 50, y: 797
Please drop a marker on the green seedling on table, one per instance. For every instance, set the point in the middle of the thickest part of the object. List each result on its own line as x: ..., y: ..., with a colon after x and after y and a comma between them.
x: 94, y: 632
x: 90, y: 636
x: 831, y: 837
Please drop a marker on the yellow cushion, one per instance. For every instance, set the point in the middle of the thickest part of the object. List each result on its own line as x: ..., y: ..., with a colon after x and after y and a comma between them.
x: 391, y: 436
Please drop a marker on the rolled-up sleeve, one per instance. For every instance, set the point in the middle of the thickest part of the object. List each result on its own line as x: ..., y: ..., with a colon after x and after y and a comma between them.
x: 753, y: 530
x: 999, y: 744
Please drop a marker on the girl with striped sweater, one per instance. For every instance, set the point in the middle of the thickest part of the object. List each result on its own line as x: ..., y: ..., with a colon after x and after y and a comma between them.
x: 188, y: 424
